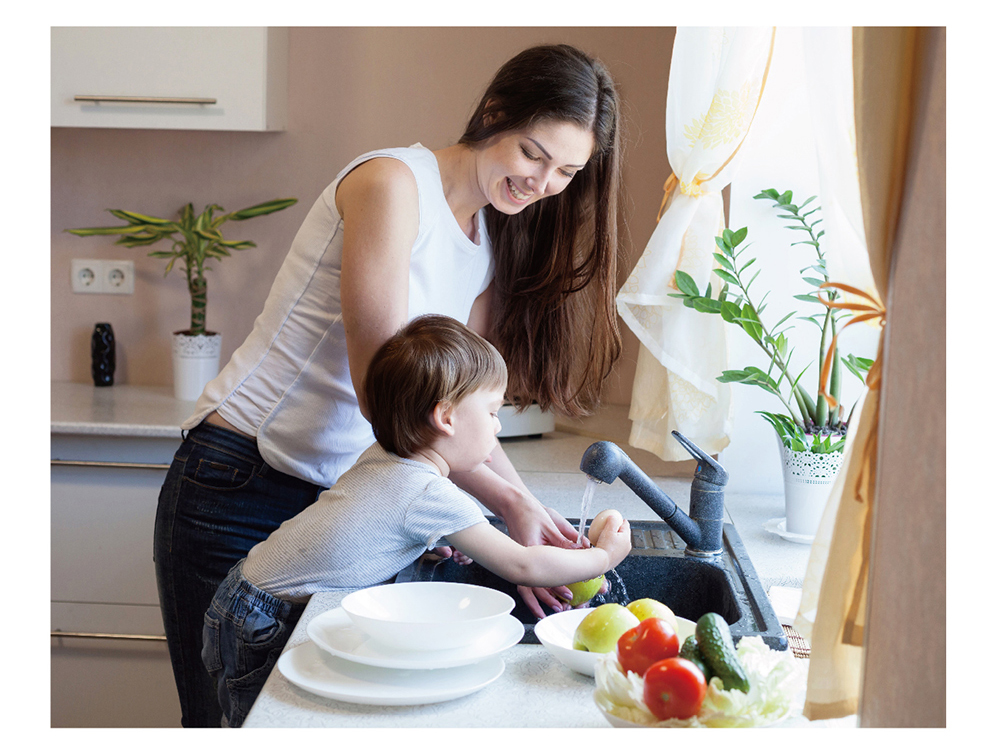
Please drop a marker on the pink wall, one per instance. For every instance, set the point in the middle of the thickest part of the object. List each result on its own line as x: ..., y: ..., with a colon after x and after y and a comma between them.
x: 350, y: 90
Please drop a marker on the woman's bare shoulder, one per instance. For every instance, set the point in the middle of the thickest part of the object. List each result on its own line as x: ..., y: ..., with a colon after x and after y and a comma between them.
x: 383, y: 179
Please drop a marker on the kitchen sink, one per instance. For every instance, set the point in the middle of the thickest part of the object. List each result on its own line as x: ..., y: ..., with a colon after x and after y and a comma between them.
x: 657, y: 567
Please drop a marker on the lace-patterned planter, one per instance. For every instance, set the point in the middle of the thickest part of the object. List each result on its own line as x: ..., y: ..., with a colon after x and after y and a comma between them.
x: 196, y: 363
x: 808, y: 479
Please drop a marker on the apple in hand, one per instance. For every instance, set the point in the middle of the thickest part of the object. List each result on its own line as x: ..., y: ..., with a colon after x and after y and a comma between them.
x: 601, y: 628
x: 647, y: 607
x: 584, y: 591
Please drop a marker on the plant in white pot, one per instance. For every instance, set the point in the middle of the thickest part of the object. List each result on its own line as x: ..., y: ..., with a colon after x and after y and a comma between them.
x: 196, y: 240
x: 812, y: 430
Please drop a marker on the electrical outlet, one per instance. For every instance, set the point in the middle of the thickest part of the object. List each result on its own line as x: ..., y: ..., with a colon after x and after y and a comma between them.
x: 86, y: 276
x: 102, y: 276
x: 119, y: 276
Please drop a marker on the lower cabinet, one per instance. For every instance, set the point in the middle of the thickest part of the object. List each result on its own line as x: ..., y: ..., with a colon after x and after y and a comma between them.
x: 109, y: 662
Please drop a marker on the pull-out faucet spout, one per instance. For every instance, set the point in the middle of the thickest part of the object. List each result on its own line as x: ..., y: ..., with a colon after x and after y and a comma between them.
x: 702, y: 531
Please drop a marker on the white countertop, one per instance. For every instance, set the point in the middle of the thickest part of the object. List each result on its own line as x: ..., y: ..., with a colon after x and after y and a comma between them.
x: 535, y: 690
x: 119, y: 410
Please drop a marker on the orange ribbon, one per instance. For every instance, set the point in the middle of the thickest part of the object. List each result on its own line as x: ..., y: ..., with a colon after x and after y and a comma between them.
x: 668, y: 187
x: 873, y: 310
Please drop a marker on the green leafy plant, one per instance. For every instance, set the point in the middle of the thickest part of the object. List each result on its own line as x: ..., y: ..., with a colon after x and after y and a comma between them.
x: 196, y: 240
x: 810, y: 424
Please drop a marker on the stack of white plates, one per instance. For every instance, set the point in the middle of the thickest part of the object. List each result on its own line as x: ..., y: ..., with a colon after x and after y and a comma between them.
x: 344, y: 661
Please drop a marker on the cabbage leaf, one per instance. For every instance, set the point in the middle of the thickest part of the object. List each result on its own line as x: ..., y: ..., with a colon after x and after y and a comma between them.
x: 776, y: 679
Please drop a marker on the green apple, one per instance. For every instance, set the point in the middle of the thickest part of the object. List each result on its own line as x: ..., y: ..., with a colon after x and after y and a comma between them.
x: 647, y: 607
x: 584, y: 591
x: 601, y: 628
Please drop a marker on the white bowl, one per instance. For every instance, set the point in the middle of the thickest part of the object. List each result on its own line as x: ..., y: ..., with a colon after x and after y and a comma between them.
x: 555, y: 632
x: 427, y: 616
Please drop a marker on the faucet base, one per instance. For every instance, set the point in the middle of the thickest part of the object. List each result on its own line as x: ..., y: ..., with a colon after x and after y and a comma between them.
x: 702, y: 554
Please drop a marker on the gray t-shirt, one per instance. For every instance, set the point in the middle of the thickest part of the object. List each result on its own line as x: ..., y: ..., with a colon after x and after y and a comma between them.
x: 382, y: 515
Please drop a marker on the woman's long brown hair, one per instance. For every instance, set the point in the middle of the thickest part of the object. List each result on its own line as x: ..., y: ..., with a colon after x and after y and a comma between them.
x: 553, y: 315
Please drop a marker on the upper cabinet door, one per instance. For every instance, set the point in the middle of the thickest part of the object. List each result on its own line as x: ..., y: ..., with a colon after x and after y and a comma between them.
x: 170, y: 78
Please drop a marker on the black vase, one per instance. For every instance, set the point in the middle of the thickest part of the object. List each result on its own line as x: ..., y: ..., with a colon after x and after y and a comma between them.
x: 102, y: 355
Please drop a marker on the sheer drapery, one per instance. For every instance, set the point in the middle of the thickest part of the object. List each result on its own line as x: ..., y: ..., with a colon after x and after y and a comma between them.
x: 835, y: 592
x: 717, y: 77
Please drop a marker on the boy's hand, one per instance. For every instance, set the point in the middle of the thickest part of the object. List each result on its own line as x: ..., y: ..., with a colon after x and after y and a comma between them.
x: 448, y: 551
x: 616, y: 541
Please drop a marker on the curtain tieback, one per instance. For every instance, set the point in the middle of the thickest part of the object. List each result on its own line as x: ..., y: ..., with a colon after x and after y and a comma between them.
x: 691, y: 189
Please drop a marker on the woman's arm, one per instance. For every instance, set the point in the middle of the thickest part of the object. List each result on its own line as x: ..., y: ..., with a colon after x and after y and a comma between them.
x: 378, y: 203
x: 542, y: 565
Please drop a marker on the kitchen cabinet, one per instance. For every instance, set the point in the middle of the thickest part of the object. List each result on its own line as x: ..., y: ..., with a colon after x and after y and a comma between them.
x: 110, y: 448
x: 170, y: 78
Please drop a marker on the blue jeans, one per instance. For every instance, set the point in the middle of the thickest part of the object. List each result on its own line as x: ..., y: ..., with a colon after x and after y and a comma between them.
x: 245, y: 630
x: 219, y: 499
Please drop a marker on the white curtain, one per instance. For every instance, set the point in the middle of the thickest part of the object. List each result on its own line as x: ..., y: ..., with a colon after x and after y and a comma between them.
x: 717, y: 77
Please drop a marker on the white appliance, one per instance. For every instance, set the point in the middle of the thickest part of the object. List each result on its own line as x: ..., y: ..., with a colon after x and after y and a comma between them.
x: 530, y: 422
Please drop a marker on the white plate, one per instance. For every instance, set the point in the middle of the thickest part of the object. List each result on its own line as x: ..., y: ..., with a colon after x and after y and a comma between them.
x: 313, y: 670
x: 555, y: 632
x: 777, y: 527
x: 334, y: 632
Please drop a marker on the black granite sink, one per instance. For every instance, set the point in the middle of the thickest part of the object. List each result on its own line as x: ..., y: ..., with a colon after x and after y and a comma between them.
x: 656, y: 568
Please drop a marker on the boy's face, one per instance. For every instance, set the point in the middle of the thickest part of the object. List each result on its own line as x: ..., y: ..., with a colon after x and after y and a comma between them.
x: 476, y: 427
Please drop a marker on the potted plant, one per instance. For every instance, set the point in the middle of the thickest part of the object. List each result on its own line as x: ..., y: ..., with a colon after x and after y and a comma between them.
x: 196, y: 240
x: 811, y: 430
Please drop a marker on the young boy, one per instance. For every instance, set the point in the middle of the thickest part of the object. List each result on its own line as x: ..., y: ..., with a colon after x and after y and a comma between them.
x: 433, y: 390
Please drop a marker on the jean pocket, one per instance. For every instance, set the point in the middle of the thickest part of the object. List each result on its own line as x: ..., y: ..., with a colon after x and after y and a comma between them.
x: 244, y: 690
x: 260, y: 629
x: 211, y: 652
x: 219, y: 470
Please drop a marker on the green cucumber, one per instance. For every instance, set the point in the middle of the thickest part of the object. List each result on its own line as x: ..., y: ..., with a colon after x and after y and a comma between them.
x: 689, y: 651
x: 715, y: 642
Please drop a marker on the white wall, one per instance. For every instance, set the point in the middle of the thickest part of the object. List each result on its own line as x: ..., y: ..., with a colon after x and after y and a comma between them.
x: 779, y: 153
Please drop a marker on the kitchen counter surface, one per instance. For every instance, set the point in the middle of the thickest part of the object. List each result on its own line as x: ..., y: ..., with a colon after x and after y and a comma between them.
x: 535, y: 690
x: 119, y: 410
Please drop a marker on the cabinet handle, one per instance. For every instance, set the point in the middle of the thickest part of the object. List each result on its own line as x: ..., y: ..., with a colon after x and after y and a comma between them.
x: 144, y: 99
x: 130, y: 637
x: 94, y: 463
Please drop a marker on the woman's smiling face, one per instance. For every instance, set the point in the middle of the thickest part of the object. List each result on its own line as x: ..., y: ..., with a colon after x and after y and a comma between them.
x: 520, y: 167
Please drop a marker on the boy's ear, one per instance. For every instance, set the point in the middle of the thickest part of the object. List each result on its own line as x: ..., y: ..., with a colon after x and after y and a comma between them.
x: 442, y: 417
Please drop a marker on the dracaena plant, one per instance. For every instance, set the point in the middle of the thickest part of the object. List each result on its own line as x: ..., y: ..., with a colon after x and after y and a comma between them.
x: 196, y: 239
x: 808, y: 423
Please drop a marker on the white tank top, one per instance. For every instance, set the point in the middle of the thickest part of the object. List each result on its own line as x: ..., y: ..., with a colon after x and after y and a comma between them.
x: 289, y: 383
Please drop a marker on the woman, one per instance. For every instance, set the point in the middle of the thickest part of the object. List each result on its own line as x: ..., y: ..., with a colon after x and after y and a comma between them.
x: 513, y: 230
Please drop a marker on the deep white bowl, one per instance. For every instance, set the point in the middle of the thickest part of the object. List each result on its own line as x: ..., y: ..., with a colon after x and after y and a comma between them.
x: 555, y: 632
x: 427, y: 616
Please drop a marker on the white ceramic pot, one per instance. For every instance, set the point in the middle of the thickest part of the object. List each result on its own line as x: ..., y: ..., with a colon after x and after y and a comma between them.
x: 196, y: 363
x: 808, y: 480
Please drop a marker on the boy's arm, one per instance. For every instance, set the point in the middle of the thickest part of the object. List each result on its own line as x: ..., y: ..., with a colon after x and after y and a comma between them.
x: 498, y: 486
x: 542, y: 565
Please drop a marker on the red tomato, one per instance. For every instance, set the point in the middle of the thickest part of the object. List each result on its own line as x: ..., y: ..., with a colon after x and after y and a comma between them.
x: 652, y: 640
x: 674, y: 688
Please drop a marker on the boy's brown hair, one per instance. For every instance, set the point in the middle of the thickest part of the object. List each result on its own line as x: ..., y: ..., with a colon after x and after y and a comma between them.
x: 433, y: 358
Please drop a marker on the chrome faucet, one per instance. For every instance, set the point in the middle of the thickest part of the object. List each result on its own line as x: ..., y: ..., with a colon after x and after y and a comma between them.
x: 702, y: 531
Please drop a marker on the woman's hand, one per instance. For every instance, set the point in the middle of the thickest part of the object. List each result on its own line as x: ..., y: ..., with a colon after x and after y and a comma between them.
x: 498, y: 486
x: 531, y: 523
